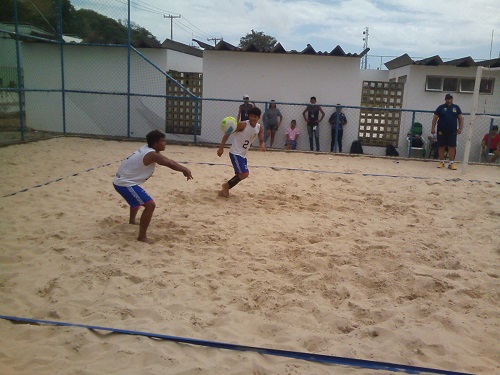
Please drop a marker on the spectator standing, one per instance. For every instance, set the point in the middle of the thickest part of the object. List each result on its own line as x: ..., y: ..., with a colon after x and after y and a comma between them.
x: 447, y: 116
x: 244, y: 108
x: 338, y: 121
x: 313, y: 119
x: 272, y: 120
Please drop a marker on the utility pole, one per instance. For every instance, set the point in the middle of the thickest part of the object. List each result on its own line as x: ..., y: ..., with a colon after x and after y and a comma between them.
x: 491, y: 44
x: 215, y: 40
x: 171, y: 24
x: 365, y: 46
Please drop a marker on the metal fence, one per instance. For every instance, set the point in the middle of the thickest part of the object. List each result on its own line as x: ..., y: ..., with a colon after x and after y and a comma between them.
x: 51, y: 86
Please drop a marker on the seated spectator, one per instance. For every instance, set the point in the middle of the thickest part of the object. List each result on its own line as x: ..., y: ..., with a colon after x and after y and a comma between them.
x: 493, y: 140
x: 433, y: 148
x: 416, y: 140
x: 292, y: 133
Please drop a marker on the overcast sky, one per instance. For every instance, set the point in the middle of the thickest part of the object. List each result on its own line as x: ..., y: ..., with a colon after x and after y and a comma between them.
x: 421, y: 28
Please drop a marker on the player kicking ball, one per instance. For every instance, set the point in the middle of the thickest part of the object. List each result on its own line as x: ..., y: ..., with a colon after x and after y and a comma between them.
x: 246, y: 132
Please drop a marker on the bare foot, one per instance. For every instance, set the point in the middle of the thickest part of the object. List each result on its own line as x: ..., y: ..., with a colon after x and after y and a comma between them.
x: 145, y: 240
x: 225, y: 190
x: 133, y: 222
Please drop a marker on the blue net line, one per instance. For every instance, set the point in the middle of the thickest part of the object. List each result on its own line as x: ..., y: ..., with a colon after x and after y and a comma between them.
x: 61, y: 178
x: 324, y: 359
x: 259, y: 166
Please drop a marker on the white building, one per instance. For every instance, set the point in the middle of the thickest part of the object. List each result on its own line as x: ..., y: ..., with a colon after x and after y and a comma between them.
x: 427, y: 81
x: 292, y: 77
x: 285, y: 76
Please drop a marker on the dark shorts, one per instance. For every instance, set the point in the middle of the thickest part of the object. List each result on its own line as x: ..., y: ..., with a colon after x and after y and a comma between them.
x: 239, y: 163
x: 449, y: 140
x: 134, y: 195
x: 272, y: 128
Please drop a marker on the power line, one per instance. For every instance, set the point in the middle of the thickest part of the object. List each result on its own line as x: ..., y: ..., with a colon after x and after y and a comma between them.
x: 154, y: 8
x: 142, y: 5
x: 190, y: 28
x: 203, y: 34
x: 196, y: 27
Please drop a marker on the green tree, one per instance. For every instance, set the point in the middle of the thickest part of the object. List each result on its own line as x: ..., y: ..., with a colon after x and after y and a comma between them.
x: 87, y: 24
x: 259, y: 39
x: 68, y: 15
x: 43, y: 14
x: 140, y: 37
x: 93, y: 27
x: 7, y: 11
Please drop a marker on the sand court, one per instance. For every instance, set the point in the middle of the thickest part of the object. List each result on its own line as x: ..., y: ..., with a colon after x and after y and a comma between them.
x: 380, y: 259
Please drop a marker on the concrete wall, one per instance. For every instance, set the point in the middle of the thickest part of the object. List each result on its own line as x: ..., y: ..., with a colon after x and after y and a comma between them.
x: 102, y: 69
x: 8, y: 51
x: 287, y: 78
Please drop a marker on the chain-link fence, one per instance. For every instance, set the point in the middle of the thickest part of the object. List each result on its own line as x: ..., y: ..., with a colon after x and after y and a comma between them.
x: 353, y: 130
x: 106, y: 85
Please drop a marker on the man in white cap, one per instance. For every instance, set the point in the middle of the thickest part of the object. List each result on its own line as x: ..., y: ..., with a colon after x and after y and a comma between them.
x: 244, y: 108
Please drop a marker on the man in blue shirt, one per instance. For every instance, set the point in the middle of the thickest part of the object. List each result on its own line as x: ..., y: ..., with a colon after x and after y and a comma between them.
x: 447, y: 116
x: 337, y: 120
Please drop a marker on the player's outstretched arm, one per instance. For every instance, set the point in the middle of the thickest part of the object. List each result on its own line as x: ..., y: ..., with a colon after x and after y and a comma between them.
x: 172, y: 164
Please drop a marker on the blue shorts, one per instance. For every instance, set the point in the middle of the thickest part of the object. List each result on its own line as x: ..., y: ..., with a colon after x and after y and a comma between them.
x: 291, y: 143
x: 134, y: 195
x: 239, y: 163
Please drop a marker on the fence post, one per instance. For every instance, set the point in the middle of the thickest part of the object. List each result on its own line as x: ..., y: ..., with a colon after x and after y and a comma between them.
x: 475, y: 98
x: 411, y: 132
x: 196, y: 111
x: 20, y: 92
x: 264, y: 122
x: 61, y: 50
x: 129, y: 53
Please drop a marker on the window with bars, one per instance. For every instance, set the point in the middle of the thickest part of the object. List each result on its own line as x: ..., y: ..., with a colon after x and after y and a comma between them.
x: 379, y: 123
x: 183, y: 115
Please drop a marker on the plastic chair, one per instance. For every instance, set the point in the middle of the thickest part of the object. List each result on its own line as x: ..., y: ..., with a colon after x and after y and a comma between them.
x: 415, y: 140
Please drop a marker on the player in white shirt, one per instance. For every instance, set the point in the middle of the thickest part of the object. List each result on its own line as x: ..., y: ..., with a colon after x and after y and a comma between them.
x: 135, y: 170
x: 246, y: 132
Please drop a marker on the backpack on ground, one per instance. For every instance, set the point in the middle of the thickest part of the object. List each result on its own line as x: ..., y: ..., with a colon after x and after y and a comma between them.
x: 391, y: 151
x: 356, y: 148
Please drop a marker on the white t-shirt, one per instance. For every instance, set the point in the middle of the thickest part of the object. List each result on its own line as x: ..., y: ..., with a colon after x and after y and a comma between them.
x: 243, y: 140
x: 133, y: 171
